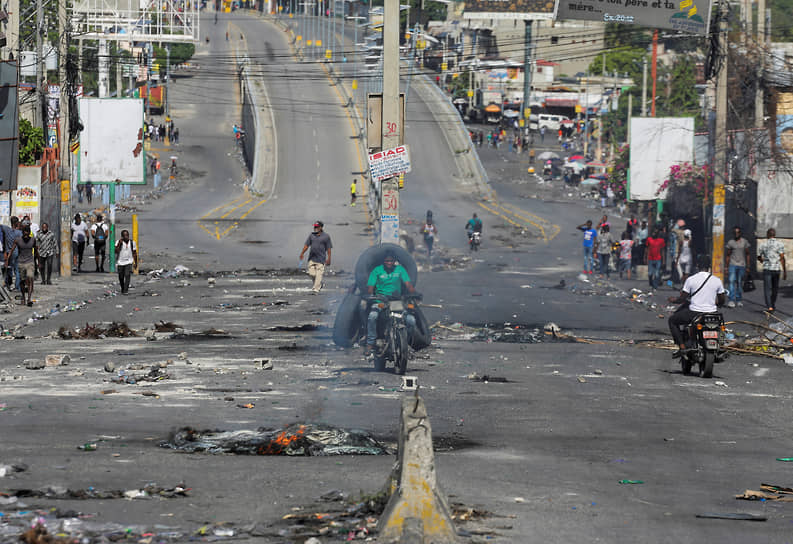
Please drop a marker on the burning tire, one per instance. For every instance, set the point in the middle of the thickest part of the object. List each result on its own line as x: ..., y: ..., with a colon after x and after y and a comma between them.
x: 347, y: 325
x: 373, y: 257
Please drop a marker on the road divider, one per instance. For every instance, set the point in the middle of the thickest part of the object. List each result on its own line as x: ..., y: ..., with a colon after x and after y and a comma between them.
x: 523, y: 219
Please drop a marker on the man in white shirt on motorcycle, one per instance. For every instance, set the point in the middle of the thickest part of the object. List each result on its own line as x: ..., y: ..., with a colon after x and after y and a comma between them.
x: 703, y: 292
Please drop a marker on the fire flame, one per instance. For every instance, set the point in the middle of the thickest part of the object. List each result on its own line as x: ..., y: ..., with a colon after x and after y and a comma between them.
x: 281, y: 443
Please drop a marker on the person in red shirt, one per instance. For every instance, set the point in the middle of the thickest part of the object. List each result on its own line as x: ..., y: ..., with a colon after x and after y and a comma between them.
x: 653, y: 258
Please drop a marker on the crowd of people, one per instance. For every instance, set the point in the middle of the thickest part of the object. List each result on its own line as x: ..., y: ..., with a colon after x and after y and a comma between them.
x: 158, y: 133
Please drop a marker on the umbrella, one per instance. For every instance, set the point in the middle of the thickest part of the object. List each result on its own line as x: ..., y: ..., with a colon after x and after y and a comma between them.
x: 510, y: 113
x: 577, y: 158
x: 591, y: 181
x: 546, y: 155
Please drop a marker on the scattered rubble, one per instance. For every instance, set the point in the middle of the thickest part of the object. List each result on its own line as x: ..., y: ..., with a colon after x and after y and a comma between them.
x: 148, y: 491
x: 95, y: 332
x: 768, y: 493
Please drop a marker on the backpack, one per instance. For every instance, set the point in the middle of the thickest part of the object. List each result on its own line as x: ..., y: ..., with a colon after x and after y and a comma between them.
x: 101, y: 233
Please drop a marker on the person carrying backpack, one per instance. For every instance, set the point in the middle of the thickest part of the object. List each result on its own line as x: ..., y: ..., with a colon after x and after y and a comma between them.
x: 99, y: 232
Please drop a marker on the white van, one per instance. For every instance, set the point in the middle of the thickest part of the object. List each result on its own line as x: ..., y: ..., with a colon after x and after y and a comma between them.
x: 550, y: 122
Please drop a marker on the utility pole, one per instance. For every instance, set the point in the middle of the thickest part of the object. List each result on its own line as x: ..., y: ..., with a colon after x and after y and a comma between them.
x: 655, y: 69
x: 527, y: 75
x: 119, y: 80
x: 644, y: 87
x: 11, y: 51
x: 65, y: 154
x: 391, y: 128
x: 720, y: 150
x: 40, y: 120
x: 759, y: 112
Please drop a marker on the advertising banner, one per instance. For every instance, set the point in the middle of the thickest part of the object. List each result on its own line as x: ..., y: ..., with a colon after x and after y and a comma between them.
x: 26, y: 201
x: 657, y: 143
x: 532, y: 10
x: 685, y: 15
x: 389, y: 163
x: 389, y: 217
x: 784, y: 123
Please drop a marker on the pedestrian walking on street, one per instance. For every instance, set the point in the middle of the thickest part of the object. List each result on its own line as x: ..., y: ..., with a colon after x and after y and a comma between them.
x: 626, y: 253
x: 353, y: 191
x: 685, y: 257
x: 79, y: 237
x: 603, y: 243
x: 99, y: 232
x: 653, y: 258
x: 89, y: 191
x: 11, y: 254
x: 736, y: 257
x: 590, y: 235
x: 319, y: 247
x: 772, y: 254
x: 126, y: 260
x: 430, y: 231
x: 531, y: 156
x: 24, y: 246
x: 46, y: 245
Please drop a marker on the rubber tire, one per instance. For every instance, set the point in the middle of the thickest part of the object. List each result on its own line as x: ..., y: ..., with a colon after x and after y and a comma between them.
x: 373, y: 257
x: 379, y: 363
x: 347, y: 325
x: 400, y: 351
x: 686, y: 364
x: 422, y: 336
x: 706, y: 366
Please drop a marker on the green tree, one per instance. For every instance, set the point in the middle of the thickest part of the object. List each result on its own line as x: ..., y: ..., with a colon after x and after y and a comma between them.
x: 682, y: 100
x: 620, y: 35
x: 625, y: 60
x: 782, y: 17
x: 31, y: 142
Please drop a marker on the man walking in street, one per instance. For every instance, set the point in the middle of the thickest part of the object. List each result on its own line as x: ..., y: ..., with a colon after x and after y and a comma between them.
x: 772, y: 254
x: 23, y: 246
x: 319, y: 255
x: 737, y: 257
x: 11, y: 253
x: 653, y: 258
x: 99, y: 234
x: 353, y: 192
x: 126, y: 260
x: 590, y: 235
x: 46, y: 244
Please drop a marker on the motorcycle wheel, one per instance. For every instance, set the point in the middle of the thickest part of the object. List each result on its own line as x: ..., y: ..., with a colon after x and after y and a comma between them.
x: 400, y: 351
x: 347, y: 325
x: 706, y: 366
x: 686, y: 364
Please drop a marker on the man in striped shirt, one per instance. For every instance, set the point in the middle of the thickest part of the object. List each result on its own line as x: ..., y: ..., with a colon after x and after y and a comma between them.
x: 46, y: 246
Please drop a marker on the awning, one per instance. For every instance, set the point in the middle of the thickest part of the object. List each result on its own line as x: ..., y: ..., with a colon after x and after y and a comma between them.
x: 561, y: 102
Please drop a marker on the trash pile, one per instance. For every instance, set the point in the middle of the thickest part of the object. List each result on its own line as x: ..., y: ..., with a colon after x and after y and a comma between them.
x: 96, y: 332
x: 156, y: 373
x: 177, y: 272
x: 149, y: 491
x: 295, y: 439
x: 768, y: 493
x: 507, y: 332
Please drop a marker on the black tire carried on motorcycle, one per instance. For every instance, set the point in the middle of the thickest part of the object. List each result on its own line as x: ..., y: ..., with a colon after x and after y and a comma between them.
x: 347, y: 325
x: 373, y: 257
x: 422, y: 336
x: 400, y: 351
x: 706, y: 366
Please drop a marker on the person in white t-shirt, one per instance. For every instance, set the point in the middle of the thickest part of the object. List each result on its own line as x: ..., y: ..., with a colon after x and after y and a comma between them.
x: 704, y: 293
x: 126, y: 258
x: 79, y: 238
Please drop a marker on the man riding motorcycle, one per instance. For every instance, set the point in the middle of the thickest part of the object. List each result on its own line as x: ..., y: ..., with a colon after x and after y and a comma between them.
x: 385, y: 282
x: 473, y: 225
x: 703, y: 292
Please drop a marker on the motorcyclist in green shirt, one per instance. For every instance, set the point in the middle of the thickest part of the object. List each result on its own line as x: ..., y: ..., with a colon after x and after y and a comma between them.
x: 386, y: 283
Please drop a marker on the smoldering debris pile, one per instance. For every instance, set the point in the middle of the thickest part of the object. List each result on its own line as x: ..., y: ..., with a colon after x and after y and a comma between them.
x: 295, y: 439
x: 96, y: 331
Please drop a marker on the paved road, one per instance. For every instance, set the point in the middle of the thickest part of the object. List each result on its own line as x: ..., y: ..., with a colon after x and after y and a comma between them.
x: 541, y: 444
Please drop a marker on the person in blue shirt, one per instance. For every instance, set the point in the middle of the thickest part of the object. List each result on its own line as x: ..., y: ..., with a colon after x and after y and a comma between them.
x: 386, y: 283
x: 590, y: 235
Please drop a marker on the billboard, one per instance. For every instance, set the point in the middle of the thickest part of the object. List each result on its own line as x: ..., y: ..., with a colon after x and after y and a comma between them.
x: 111, y: 144
x: 657, y: 143
x: 9, y: 125
x: 532, y: 10
x: 691, y: 16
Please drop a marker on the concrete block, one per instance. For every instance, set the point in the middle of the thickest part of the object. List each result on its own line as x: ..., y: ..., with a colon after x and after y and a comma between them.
x: 34, y: 364
x: 417, y: 510
x: 57, y: 360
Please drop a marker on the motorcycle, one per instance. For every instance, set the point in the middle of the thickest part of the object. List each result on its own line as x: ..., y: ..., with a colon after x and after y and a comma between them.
x: 704, y: 338
x: 474, y: 240
x: 392, y: 335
